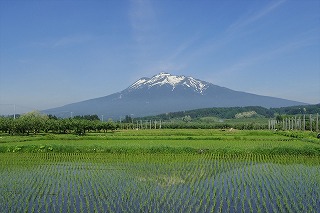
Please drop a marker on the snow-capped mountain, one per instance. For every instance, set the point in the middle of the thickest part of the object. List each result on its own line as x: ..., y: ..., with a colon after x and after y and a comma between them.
x: 170, y: 80
x: 164, y: 93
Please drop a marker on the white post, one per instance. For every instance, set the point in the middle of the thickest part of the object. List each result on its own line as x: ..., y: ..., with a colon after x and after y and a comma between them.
x: 14, y: 111
x: 317, y: 122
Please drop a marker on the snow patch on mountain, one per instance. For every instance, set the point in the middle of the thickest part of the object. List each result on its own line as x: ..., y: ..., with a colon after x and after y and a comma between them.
x: 170, y: 80
x: 138, y: 83
x: 165, y: 79
x: 198, y: 85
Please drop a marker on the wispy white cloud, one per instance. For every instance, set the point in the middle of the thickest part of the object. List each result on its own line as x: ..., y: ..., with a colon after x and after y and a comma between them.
x: 174, y: 59
x: 301, y: 41
x: 141, y: 17
x: 236, y: 30
x: 182, y: 48
x: 243, y: 22
x: 147, y: 35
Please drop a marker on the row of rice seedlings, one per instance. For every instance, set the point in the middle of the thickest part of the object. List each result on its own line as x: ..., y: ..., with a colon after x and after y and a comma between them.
x: 203, y: 184
x: 296, y: 186
x: 196, y: 186
x: 273, y: 192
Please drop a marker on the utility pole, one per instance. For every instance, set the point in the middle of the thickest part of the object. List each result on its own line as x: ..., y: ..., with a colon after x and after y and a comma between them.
x: 102, y: 118
x: 317, y: 122
x: 14, y: 111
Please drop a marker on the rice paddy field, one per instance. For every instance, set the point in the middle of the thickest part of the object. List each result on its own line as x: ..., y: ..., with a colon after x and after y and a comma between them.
x: 161, y: 171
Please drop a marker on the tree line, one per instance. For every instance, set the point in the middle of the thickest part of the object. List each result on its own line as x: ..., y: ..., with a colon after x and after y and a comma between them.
x: 231, y: 112
x: 35, y: 122
x: 202, y: 125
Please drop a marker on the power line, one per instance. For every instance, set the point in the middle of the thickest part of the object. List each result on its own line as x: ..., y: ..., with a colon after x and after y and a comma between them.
x: 17, y: 106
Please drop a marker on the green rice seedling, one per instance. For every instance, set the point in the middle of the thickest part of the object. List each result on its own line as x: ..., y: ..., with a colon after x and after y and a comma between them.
x: 121, y: 182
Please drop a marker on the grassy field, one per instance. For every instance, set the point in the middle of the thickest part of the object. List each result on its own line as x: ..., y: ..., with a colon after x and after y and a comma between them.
x: 168, y: 141
x: 161, y: 171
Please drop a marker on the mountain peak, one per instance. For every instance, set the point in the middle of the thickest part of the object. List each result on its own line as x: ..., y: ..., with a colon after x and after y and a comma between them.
x: 164, y: 93
x: 173, y: 81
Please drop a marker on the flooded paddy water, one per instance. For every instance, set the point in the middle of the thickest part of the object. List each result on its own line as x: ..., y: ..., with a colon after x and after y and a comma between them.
x: 48, y: 182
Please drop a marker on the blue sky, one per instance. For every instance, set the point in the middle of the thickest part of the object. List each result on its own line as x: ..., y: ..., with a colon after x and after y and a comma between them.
x: 57, y: 52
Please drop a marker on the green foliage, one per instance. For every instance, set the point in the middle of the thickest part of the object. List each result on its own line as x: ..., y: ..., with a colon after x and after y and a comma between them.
x: 127, y: 119
x: 35, y: 122
x: 87, y: 117
x: 32, y: 122
x: 222, y: 112
x: 241, y: 124
x: 242, y: 118
x: 231, y: 112
x: 297, y: 110
x: 168, y: 141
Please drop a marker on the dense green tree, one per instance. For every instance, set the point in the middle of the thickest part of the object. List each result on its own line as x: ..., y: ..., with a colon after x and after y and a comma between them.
x: 31, y: 122
x: 127, y: 119
x: 87, y: 117
x: 7, y: 124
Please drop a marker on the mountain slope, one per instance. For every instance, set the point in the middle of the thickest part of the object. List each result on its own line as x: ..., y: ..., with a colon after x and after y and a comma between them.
x: 167, y: 93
